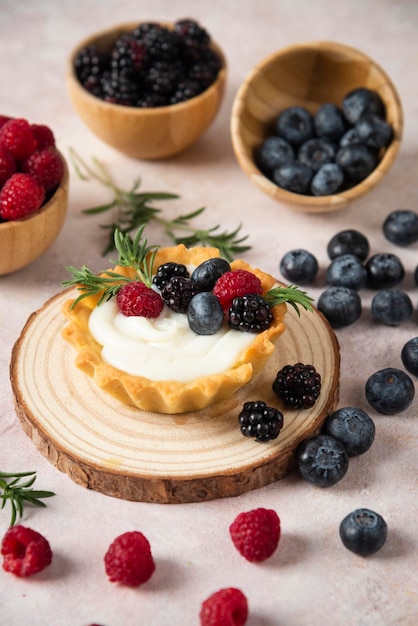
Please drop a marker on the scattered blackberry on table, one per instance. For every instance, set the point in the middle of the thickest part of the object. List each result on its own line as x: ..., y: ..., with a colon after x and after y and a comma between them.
x: 390, y: 391
x: 340, y: 305
x: 384, y: 270
x: 392, y: 307
x: 228, y: 606
x: 374, y: 131
x: 327, y: 180
x: 349, y: 241
x: 207, y: 273
x: 260, y: 421
x: 256, y: 534
x: 299, y: 266
x: 296, y: 125
x: 322, y: 460
x: 362, y: 101
x: 363, y: 532
x: 329, y: 122
x: 25, y: 552
x: 250, y: 313
x: 357, y: 161
x: 316, y: 152
x: 298, y: 386
x: 401, y: 227
x: 352, y: 427
x: 409, y: 356
x: 178, y: 292
x: 205, y: 314
x: 129, y: 560
x: 273, y: 152
x: 166, y: 271
x: 293, y: 176
x: 346, y: 270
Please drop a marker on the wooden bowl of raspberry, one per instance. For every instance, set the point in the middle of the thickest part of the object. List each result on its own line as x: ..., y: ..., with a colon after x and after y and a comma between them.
x: 149, y: 90
x: 316, y: 125
x: 33, y: 192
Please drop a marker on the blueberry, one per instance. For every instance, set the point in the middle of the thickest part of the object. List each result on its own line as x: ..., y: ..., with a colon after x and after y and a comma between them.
x: 362, y: 101
x: 356, y: 160
x: 327, y: 180
x: 363, y: 532
x: 352, y: 427
x: 384, y: 270
x: 204, y: 313
x: 273, y: 152
x: 329, y: 122
x: 409, y: 356
x: 316, y: 152
x: 401, y: 227
x: 349, y: 138
x: 349, y: 242
x: 295, y: 177
x: 340, y: 305
x: 322, y: 460
x: 390, y: 391
x: 207, y: 273
x: 296, y: 125
x: 392, y: 307
x: 299, y: 266
x: 374, y: 131
x: 346, y: 271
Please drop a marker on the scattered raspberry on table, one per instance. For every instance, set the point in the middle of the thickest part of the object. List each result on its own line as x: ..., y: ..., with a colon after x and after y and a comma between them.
x: 226, y: 607
x: 256, y: 534
x: 129, y: 560
x: 25, y: 552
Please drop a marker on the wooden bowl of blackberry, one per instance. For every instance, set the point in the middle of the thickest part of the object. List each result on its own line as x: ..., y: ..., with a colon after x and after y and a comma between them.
x: 33, y: 192
x: 149, y: 90
x: 316, y: 125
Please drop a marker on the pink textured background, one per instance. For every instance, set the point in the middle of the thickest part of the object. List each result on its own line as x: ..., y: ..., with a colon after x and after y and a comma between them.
x: 312, y: 579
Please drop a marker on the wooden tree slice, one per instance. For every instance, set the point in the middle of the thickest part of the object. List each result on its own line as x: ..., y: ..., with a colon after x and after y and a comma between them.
x: 152, y: 457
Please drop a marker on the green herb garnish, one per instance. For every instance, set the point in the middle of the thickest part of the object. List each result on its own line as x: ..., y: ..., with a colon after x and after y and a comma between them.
x: 132, y: 253
x: 20, y: 493
x: 132, y: 209
x: 291, y: 295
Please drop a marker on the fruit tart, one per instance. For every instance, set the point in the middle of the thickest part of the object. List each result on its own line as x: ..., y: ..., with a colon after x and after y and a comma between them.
x: 174, y: 329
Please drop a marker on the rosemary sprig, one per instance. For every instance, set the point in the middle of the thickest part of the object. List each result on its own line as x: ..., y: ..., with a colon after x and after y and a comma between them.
x: 19, y: 493
x: 290, y: 294
x: 132, y: 209
x: 132, y: 253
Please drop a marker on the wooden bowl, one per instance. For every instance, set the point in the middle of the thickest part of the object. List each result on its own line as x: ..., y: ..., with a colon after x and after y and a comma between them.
x: 23, y: 241
x: 152, y: 133
x: 309, y: 75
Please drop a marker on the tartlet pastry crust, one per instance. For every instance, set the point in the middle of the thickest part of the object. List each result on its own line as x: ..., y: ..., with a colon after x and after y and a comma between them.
x: 171, y: 397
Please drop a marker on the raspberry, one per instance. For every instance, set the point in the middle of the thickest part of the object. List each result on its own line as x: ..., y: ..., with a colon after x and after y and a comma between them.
x: 226, y: 607
x: 46, y: 167
x: 234, y: 284
x: 25, y: 552
x: 4, y: 119
x: 21, y: 195
x: 297, y: 386
x: 256, y: 534
x: 43, y: 135
x: 137, y: 299
x: 7, y: 165
x: 129, y: 560
x: 17, y: 136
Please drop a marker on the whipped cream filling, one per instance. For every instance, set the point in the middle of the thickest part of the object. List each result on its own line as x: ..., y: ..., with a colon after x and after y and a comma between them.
x: 163, y: 348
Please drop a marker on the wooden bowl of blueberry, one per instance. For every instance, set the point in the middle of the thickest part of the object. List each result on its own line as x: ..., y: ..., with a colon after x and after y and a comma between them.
x: 149, y: 90
x: 316, y: 125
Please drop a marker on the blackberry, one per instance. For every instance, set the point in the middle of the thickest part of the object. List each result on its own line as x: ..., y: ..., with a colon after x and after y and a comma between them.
x: 186, y: 90
x: 142, y: 29
x: 205, y: 67
x: 260, y: 421
x: 161, y: 43
x: 297, y: 386
x: 152, y: 100
x: 250, y: 313
x: 120, y: 89
x: 191, y: 35
x: 129, y: 56
x: 163, y: 76
x: 166, y: 271
x: 178, y: 292
x: 89, y: 65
